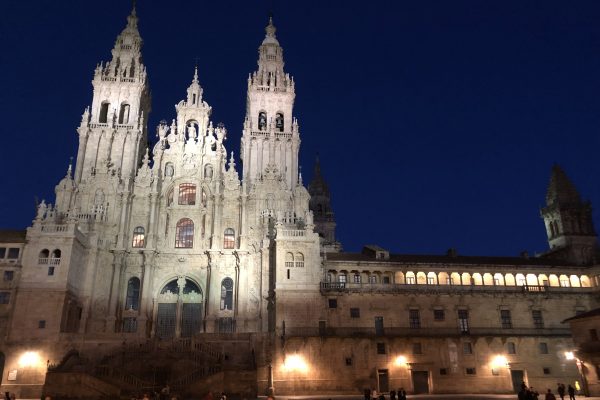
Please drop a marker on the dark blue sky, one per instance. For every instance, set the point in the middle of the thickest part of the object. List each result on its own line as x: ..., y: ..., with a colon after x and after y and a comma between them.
x: 437, y: 122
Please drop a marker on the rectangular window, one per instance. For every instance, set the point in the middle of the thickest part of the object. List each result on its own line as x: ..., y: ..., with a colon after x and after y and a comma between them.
x: 546, y: 371
x: 349, y: 361
x: 538, y: 320
x: 42, y: 324
x: 417, y: 349
x: 414, y: 319
x: 187, y: 194
x: 471, y: 371
x: 506, y: 319
x: 4, y: 297
x: 594, y: 337
x: 355, y: 313
x: 356, y: 278
x: 2, y: 252
x: 380, y: 348
x: 443, y: 371
x: 385, y: 280
x: 511, y: 348
x: 467, y: 348
x: 463, y: 321
x: 410, y: 280
x: 50, y: 271
x: 379, y: 326
x: 288, y: 274
x: 372, y: 279
x: 332, y: 303
x: 9, y: 275
x: 439, y: 315
x: 543, y: 347
x: 342, y: 278
x: 13, y: 254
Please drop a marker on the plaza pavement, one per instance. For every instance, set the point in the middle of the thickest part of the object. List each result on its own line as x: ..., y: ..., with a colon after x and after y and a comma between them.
x: 426, y: 397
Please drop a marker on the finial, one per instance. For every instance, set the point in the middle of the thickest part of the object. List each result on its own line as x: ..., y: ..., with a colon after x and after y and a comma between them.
x: 270, y: 29
x: 231, y: 163
x: 133, y: 3
x: 196, y: 72
x: 70, y: 169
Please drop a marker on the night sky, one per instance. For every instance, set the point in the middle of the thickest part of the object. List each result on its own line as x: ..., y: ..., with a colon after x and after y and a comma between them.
x: 437, y: 122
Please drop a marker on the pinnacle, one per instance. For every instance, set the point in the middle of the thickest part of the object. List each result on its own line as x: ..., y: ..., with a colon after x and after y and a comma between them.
x: 561, y: 190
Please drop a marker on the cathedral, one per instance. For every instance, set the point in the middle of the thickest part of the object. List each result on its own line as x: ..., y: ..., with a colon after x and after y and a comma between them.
x: 176, y: 263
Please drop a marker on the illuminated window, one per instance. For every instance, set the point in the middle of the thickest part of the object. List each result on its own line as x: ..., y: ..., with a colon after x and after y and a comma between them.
x: 342, y: 278
x: 187, y: 194
x: 184, y: 234
x: 463, y: 321
x: 410, y: 280
x: 564, y: 282
x: 356, y: 278
x: 139, y: 235
x: 229, y: 239
x: 227, y: 294
x: 430, y: 280
x: 372, y: 278
x: 132, y: 301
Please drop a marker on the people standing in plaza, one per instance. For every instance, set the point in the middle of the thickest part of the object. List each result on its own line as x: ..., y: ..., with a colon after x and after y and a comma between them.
x: 374, y: 394
x: 392, y: 395
x: 561, y: 391
x: 571, y: 391
x: 550, y: 395
x: 401, y: 394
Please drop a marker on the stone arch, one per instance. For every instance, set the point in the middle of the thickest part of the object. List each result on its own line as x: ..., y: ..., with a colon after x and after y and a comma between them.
x: 509, y: 280
x: 585, y: 281
x: 455, y: 279
x: 564, y: 281
x: 498, y: 279
x: 553, y: 280
x: 411, y: 279
x: 179, y: 308
x: 443, y: 278
x: 488, y: 279
x: 124, y: 113
x: 399, y: 277
x: 574, y: 280
x: 432, y: 278
x: 466, y: 279
x: 543, y: 280
x: 531, y: 280
x: 520, y: 280
x: 477, y: 279
x: 421, y: 278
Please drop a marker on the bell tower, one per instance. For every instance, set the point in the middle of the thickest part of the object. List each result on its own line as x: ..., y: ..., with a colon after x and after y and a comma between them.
x: 270, y: 137
x: 113, y: 132
x: 568, y: 220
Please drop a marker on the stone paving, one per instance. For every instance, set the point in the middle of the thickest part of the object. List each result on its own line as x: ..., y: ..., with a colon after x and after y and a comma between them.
x: 424, y: 397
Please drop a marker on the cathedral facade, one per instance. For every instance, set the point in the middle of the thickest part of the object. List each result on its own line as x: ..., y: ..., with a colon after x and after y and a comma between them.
x: 173, y: 254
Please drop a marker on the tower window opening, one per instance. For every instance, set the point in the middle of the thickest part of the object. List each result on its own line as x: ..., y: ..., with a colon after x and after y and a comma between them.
x: 227, y: 294
x: 262, y: 121
x: 132, y: 70
x: 299, y: 260
x: 103, y: 119
x: 139, y: 237
x: 289, y: 260
x: 279, y: 122
x: 124, y: 114
x: 194, y: 98
x: 229, y: 239
x: 184, y: 234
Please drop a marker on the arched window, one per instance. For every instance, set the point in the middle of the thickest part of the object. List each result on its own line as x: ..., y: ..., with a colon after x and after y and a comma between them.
x: 132, y: 70
x: 169, y: 169
x: 124, y: 114
x: 170, y: 197
x: 289, y: 260
x: 262, y: 121
x: 208, y: 171
x: 132, y: 301
x: 43, y: 257
x: 187, y: 194
x: 299, y: 259
x: 139, y: 237
x: 227, y: 294
x: 279, y: 122
x: 103, y: 118
x: 229, y: 239
x: 184, y: 234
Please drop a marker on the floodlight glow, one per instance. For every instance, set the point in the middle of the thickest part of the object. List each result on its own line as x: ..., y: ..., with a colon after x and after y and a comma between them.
x: 29, y: 359
x: 569, y: 355
x: 401, y: 361
x: 499, y: 361
x: 295, y: 363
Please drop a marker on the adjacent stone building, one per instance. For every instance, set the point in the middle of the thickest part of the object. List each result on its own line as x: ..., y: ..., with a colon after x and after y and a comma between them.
x: 162, y: 263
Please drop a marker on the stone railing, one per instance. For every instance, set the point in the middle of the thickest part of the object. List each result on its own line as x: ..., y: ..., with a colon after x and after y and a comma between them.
x: 55, y: 228
x: 291, y: 233
x: 48, y: 261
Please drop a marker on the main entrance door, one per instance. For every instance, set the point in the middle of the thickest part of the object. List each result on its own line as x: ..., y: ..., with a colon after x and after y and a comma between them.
x: 383, y: 379
x: 518, y: 377
x: 166, y: 322
x: 179, y: 311
x: 420, y: 382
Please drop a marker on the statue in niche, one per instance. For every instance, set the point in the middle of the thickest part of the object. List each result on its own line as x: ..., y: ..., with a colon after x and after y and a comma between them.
x: 192, y: 132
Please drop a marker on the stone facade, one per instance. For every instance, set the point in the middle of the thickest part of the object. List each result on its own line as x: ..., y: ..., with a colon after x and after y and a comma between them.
x: 164, y: 256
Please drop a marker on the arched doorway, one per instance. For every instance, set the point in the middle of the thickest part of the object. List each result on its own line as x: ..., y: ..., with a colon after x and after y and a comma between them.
x: 179, y: 311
